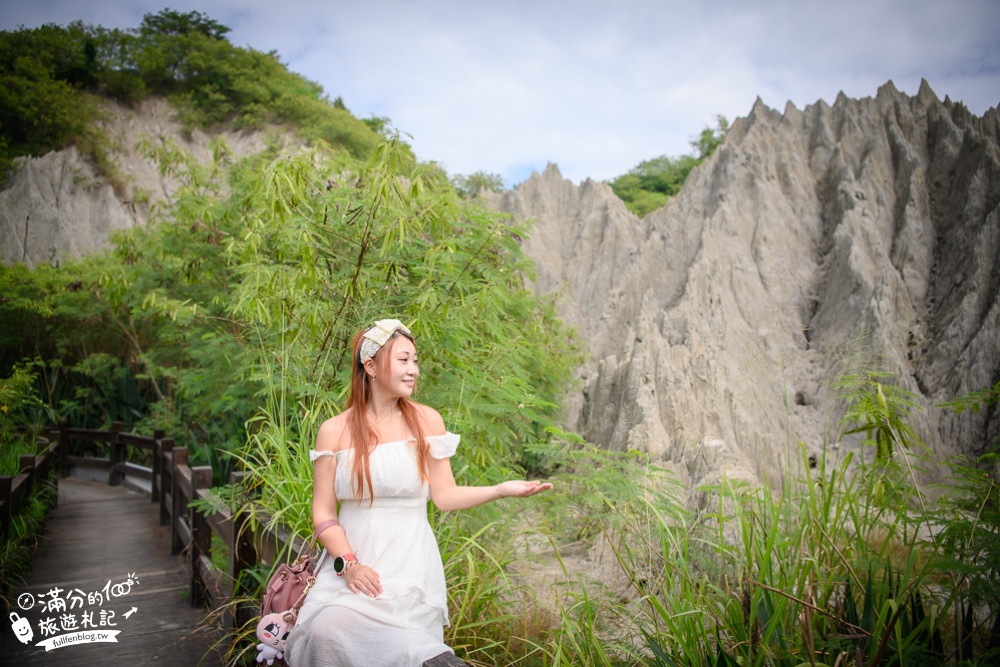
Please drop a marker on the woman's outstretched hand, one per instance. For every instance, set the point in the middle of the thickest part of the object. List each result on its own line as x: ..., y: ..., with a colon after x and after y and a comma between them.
x: 521, y: 488
x: 361, y: 579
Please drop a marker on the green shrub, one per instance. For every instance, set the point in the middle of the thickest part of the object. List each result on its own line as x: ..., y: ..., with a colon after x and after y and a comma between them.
x: 22, y: 417
x: 52, y: 77
x: 647, y: 186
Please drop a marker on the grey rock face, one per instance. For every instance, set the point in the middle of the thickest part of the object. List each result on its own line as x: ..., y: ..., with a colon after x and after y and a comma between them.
x: 58, y: 206
x: 812, y: 243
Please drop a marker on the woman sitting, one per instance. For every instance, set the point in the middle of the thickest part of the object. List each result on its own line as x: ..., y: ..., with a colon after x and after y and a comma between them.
x: 380, y: 601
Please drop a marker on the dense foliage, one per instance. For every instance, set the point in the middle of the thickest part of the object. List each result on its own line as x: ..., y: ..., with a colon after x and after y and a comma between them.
x: 22, y: 415
x: 647, y: 186
x: 52, y: 77
x: 282, y: 257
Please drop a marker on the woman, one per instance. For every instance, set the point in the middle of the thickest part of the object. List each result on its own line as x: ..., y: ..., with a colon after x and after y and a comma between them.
x: 380, y: 597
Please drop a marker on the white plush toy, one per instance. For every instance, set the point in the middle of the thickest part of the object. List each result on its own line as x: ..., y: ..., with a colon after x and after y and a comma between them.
x: 272, y: 631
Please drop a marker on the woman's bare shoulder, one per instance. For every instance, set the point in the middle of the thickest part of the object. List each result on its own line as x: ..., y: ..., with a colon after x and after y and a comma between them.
x: 334, y: 434
x: 431, y: 419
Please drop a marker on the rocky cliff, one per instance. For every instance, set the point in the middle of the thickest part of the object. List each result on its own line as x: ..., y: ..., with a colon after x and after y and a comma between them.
x: 58, y: 205
x: 860, y: 235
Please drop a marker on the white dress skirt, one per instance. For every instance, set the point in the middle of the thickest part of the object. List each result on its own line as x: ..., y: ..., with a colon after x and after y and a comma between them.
x: 404, y: 626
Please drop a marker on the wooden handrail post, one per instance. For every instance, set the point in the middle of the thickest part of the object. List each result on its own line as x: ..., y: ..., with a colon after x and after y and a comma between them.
x: 115, y: 472
x: 180, y: 457
x: 27, y: 466
x: 156, y: 486
x: 6, y: 485
x: 242, y: 558
x: 201, y: 534
x: 51, y: 435
x: 167, y: 479
x: 63, y: 448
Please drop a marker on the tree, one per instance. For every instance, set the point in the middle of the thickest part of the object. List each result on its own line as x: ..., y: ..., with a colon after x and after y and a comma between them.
x: 174, y: 23
x: 49, y: 75
x: 471, y: 185
x: 647, y: 186
x: 381, y: 125
x: 710, y: 138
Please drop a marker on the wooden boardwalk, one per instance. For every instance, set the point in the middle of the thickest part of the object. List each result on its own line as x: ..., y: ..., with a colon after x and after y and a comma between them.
x: 95, y: 539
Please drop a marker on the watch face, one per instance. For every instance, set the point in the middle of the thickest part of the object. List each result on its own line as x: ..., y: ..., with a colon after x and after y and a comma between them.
x: 338, y: 564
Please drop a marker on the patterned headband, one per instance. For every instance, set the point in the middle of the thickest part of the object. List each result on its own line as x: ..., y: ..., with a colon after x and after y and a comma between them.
x: 377, y: 336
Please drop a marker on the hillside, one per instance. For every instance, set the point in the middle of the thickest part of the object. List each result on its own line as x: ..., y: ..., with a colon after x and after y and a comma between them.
x: 86, y: 91
x: 58, y: 205
x: 814, y: 242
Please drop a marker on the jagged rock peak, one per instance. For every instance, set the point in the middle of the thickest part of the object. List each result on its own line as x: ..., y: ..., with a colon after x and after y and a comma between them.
x: 808, y: 238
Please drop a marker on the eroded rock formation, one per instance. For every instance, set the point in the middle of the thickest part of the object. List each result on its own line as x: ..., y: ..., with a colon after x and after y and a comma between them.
x: 810, y: 243
x: 57, y: 205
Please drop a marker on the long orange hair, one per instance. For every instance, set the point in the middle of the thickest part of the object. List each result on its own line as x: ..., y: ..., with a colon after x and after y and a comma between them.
x: 363, y: 436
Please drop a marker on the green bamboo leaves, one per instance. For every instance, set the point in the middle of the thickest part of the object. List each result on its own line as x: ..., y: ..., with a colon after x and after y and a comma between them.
x: 879, y: 410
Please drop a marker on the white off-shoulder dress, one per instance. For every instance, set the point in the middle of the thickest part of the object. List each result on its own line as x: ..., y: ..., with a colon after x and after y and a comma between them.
x: 404, y: 626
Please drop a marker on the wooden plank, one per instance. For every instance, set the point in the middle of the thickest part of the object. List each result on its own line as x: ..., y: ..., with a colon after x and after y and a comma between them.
x: 6, y: 505
x: 166, y: 478
x: 168, y: 503
x: 138, y: 485
x: 242, y: 556
x: 44, y: 462
x: 98, y: 536
x: 133, y: 440
x: 19, y: 490
x: 136, y: 470
x: 88, y: 435
x: 183, y: 532
x: 201, y: 532
x: 271, y: 543
x: 214, y: 581
x: 118, y: 455
x: 182, y: 476
x: 88, y: 462
x: 157, y: 481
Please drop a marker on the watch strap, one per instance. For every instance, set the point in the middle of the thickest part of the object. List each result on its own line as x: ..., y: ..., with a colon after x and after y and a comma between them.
x: 342, y: 563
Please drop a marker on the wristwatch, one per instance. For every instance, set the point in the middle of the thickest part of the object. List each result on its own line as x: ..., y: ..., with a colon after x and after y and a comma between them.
x: 341, y: 563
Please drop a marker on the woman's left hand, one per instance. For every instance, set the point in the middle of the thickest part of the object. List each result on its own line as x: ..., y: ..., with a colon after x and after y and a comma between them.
x: 521, y: 488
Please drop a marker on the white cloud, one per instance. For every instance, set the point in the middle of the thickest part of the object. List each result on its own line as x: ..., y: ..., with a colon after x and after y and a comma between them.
x: 596, y: 87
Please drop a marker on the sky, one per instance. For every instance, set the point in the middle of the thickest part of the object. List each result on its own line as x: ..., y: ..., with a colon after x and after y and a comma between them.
x: 596, y: 87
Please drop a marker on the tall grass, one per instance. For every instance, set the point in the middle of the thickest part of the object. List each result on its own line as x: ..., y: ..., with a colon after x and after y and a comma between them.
x: 849, y: 564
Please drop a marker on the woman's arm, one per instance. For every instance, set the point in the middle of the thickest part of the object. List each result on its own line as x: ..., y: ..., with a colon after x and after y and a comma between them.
x: 360, y: 578
x: 447, y: 495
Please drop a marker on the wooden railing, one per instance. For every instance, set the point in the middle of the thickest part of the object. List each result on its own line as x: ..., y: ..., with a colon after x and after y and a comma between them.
x: 16, y: 489
x: 173, y: 484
